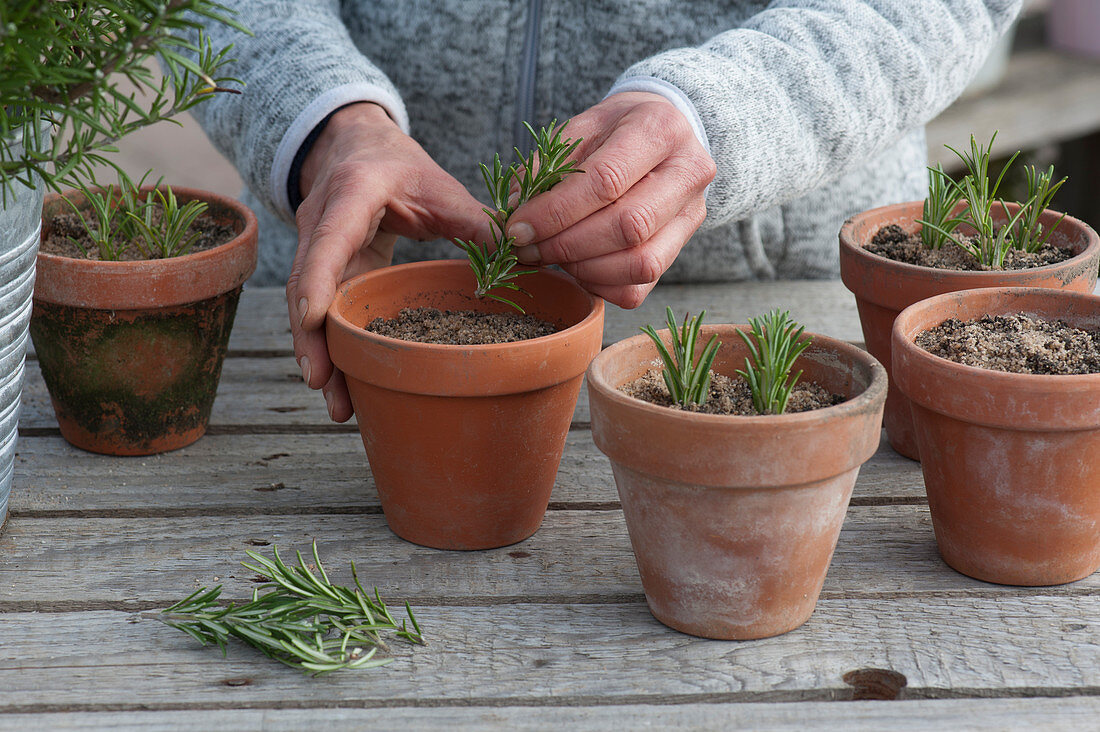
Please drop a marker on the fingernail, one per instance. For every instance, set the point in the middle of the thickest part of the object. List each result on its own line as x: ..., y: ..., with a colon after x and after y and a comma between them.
x: 513, y: 199
x: 303, y: 308
x: 329, y: 398
x: 523, y: 233
x: 303, y: 362
x: 528, y: 254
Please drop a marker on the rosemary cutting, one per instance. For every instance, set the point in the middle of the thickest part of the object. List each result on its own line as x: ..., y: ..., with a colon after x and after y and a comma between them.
x: 301, y: 619
x: 510, y: 186
x: 118, y: 217
x: 687, y: 382
x: 774, y: 345
x: 990, y: 243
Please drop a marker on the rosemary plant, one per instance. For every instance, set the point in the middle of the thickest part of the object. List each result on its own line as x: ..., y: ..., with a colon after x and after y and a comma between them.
x: 774, y: 345
x: 943, y: 198
x: 108, y: 224
x: 118, y: 217
x: 990, y: 243
x: 510, y: 186
x: 687, y: 382
x: 300, y: 619
x: 1028, y: 233
x: 172, y: 236
x: 61, y: 62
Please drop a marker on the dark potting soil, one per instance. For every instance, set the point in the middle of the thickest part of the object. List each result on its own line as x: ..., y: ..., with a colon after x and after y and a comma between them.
x: 727, y: 396
x: 1015, y: 343
x: 65, y: 225
x: 893, y: 242
x: 460, y: 327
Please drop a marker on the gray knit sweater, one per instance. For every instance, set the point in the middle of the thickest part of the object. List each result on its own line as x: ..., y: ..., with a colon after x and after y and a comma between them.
x: 812, y: 109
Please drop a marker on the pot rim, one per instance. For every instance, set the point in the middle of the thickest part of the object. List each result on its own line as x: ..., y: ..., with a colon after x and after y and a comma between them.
x: 910, y: 321
x: 1061, y: 393
x: 866, y: 400
x: 596, y: 307
x: 57, y: 273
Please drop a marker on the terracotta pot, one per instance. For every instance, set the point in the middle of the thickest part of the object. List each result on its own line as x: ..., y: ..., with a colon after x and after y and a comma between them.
x: 464, y: 442
x: 1011, y: 461
x: 733, y: 520
x: 131, y: 352
x: 883, y: 287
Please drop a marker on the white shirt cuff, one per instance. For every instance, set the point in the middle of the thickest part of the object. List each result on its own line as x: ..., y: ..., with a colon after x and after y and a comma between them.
x: 653, y: 85
x: 312, y: 115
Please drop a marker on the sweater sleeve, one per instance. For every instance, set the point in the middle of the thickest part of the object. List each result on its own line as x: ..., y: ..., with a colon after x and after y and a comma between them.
x: 806, y: 89
x: 299, y: 66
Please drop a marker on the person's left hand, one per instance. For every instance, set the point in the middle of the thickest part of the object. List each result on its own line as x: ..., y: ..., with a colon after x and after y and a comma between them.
x: 618, y: 226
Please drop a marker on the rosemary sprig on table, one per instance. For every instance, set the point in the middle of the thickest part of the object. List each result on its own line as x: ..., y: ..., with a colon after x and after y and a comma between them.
x: 774, y: 345
x: 687, y: 382
x: 300, y: 619
x: 510, y: 186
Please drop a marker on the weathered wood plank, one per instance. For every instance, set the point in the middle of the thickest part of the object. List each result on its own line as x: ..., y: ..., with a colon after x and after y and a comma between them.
x: 1070, y: 714
x: 292, y: 473
x: 261, y: 326
x: 823, y: 306
x: 258, y: 392
x: 1019, y: 109
x: 883, y: 551
x: 565, y: 655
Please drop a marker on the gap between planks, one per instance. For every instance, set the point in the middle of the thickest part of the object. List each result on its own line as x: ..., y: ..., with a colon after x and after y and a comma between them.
x: 792, y: 696
x: 471, y: 601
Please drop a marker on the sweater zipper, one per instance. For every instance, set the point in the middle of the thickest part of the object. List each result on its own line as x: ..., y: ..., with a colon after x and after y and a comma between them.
x: 525, y: 96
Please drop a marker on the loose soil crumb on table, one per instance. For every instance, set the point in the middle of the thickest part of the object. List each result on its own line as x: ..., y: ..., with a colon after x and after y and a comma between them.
x: 65, y: 225
x: 1015, y: 343
x: 895, y: 243
x: 727, y: 396
x: 460, y: 327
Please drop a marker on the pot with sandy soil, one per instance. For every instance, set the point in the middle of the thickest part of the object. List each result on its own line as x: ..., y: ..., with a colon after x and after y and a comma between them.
x: 463, y: 438
x: 888, y: 261
x: 1010, y: 449
x: 734, y: 519
x: 131, y: 350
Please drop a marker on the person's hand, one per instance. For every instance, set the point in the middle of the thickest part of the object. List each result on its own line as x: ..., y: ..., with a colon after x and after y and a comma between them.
x: 364, y: 182
x: 618, y: 226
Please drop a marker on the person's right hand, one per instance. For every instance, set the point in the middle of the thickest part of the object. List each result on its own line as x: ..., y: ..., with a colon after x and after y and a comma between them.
x: 364, y: 183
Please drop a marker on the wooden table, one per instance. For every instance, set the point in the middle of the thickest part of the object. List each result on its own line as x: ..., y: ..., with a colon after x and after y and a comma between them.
x: 550, y: 632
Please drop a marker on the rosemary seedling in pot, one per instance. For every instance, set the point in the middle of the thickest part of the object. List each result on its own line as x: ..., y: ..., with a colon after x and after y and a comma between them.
x: 510, y: 186
x: 688, y: 381
x: 301, y: 619
x: 943, y: 198
x: 1028, y: 234
x: 115, y: 217
x: 990, y: 243
x: 774, y: 345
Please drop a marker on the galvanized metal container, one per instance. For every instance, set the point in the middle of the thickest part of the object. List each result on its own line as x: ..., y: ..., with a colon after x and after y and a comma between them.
x: 20, y: 224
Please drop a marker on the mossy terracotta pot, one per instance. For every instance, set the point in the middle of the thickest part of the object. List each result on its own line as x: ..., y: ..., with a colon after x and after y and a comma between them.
x: 734, y: 520
x: 1011, y: 461
x: 883, y: 287
x: 131, y: 352
x: 464, y: 442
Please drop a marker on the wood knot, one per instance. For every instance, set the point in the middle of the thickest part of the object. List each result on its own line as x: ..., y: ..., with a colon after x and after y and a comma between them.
x: 237, y: 681
x: 875, y: 683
